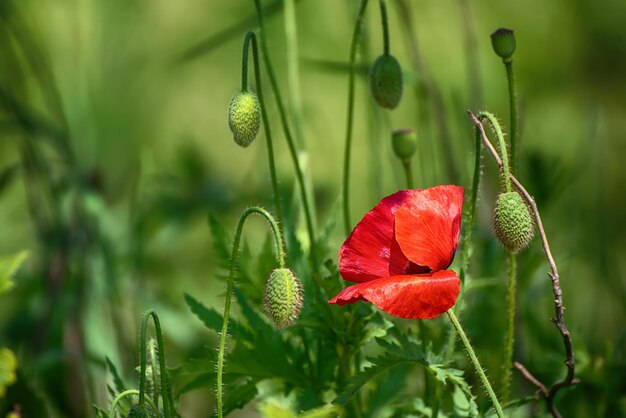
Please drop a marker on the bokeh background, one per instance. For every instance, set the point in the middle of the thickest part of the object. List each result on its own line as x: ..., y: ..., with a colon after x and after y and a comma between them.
x: 114, y: 145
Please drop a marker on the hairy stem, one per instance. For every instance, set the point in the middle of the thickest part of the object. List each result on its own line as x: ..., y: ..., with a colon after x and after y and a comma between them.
x: 476, y: 363
x: 308, y: 208
x: 280, y: 259
x: 129, y: 392
x: 356, y: 36
x: 569, y: 379
x: 385, y: 26
x: 251, y: 39
x: 507, y: 360
x: 512, y: 109
x: 166, y: 394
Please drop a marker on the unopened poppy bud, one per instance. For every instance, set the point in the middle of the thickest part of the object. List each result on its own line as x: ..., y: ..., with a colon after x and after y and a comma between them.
x: 386, y: 81
x: 513, y: 224
x: 283, y: 297
x: 244, y: 117
x: 404, y: 143
x: 503, y: 42
x: 138, y: 411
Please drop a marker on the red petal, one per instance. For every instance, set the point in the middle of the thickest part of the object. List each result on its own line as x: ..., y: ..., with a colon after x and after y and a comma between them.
x: 428, y: 224
x: 366, y: 254
x: 419, y: 296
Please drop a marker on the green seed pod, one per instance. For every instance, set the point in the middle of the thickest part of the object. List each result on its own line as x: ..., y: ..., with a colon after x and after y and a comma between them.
x: 283, y: 297
x: 404, y: 143
x: 386, y: 81
x: 244, y: 117
x: 513, y: 224
x: 503, y: 42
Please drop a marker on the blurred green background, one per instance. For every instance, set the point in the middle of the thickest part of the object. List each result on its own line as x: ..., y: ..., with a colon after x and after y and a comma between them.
x: 114, y: 145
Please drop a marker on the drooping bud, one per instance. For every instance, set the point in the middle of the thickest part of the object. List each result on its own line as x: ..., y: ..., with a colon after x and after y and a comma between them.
x: 386, y: 81
x: 404, y: 143
x: 503, y: 42
x: 513, y: 224
x: 244, y: 117
x: 283, y: 297
x: 138, y: 411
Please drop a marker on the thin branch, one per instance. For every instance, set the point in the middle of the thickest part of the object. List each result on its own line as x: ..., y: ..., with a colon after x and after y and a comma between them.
x: 548, y: 394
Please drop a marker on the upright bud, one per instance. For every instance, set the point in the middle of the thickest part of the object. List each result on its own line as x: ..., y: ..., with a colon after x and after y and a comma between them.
x: 404, y: 143
x: 386, y: 81
x: 244, y: 117
x: 283, y: 297
x: 513, y: 224
x: 503, y: 42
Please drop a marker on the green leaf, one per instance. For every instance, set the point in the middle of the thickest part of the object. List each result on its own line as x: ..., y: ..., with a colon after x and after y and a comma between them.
x: 379, y: 365
x: 271, y: 410
x: 213, y: 320
x: 221, y: 241
x: 117, y: 380
x: 238, y: 394
x: 9, y: 265
x: 8, y: 367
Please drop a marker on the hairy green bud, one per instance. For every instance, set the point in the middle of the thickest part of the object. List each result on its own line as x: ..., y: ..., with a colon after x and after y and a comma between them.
x: 244, y: 117
x: 138, y: 411
x: 404, y: 143
x: 503, y: 42
x: 283, y: 297
x: 513, y: 224
x: 386, y: 81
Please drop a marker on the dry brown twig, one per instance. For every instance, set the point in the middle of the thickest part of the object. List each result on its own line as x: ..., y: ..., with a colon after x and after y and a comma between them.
x: 547, y: 393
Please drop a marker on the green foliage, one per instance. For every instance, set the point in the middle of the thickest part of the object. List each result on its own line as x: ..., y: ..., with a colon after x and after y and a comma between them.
x: 9, y: 265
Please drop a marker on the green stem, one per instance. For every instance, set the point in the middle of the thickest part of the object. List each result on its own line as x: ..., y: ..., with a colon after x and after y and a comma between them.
x: 251, y: 39
x: 356, y: 36
x: 385, y: 24
x: 166, y: 394
x: 506, y: 172
x: 468, y: 223
x: 505, y: 382
x: 308, y: 209
x: 408, y: 173
x: 280, y: 258
x: 293, y: 71
x: 476, y: 363
x: 119, y: 397
x: 436, y: 404
x: 512, y: 109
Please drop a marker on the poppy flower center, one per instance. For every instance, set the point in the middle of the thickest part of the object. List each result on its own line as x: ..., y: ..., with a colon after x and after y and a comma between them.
x: 413, y: 268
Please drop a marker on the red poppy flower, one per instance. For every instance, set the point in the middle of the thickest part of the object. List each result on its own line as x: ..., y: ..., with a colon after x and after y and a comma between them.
x: 399, y: 252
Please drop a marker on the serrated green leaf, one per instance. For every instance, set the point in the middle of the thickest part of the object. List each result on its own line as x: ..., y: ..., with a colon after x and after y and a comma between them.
x: 9, y: 265
x: 8, y: 367
x: 271, y: 410
x: 213, y: 320
x: 326, y: 411
x: 100, y: 413
x: 220, y: 238
x: 379, y: 365
x: 117, y: 380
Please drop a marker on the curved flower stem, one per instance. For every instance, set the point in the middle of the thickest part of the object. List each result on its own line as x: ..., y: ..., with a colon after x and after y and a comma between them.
x: 550, y: 393
x: 308, y: 208
x: 476, y: 363
x: 119, y: 397
x: 512, y: 109
x: 166, y: 394
x: 280, y: 259
x: 356, y: 36
x: 385, y: 25
x: 250, y: 38
x: 506, y: 172
x: 507, y: 360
